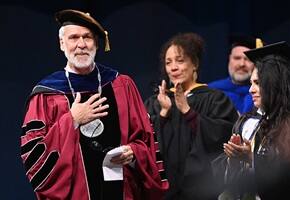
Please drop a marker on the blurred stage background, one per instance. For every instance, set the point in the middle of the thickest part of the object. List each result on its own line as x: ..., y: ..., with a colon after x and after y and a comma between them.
x: 137, y: 29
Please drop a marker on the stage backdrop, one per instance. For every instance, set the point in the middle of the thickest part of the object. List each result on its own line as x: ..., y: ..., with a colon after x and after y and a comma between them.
x: 137, y: 29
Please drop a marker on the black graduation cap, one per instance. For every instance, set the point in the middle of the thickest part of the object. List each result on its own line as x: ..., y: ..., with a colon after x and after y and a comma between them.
x: 279, y: 48
x: 245, y: 40
x: 76, y: 17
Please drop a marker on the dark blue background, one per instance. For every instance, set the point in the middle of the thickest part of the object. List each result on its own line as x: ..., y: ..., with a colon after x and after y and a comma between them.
x: 30, y: 50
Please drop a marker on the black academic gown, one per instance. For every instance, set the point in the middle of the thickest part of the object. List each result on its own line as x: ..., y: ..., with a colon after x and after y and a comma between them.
x: 189, y: 142
x: 272, y: 167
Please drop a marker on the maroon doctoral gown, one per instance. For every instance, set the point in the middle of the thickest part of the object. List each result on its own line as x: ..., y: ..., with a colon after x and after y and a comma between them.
x: 53, y: 156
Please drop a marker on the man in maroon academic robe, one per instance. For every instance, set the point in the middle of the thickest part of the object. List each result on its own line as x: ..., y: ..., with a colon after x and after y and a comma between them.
x: 63, y: 157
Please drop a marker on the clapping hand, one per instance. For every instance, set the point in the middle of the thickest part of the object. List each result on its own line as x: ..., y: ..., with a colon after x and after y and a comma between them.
x: 237, y: 149
x: 181, y: 98
x: 163, y: 99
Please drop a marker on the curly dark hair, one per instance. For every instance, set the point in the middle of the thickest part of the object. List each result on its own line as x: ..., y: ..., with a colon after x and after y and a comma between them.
x: 191, y: 44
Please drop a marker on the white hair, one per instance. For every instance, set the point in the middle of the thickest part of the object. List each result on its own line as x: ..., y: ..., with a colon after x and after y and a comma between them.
x: 61, y: 32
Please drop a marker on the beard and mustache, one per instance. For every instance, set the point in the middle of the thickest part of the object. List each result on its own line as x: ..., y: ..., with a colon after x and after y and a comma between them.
x: 81, y: 58
x: 241, y: 78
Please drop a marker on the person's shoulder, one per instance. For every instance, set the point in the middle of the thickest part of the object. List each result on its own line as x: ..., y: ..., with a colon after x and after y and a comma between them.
x: 125, y: 78
x: 208, y: 90
x: 106, y: 68
x: 48, y: 82
x: 213, y: 94
x: 52, y: 77
x: 219, y: 83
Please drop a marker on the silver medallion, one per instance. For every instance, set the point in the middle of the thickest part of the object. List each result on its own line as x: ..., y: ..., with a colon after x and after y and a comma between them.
x: 93, y: 128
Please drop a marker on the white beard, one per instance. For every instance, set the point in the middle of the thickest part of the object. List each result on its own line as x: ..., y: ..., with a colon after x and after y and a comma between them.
x: 81, y: 63
x: 241, y: 78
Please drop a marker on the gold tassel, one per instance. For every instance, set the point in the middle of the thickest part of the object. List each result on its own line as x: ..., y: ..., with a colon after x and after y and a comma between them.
x: 107, y: 43
x: 259, y: 43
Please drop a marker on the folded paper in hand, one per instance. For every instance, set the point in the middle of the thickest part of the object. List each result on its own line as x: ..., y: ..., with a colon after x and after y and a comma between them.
x: 113, y: 172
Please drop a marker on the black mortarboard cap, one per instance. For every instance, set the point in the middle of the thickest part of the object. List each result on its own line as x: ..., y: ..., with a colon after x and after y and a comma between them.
x: 245, y: 40
x: 279, y: 48
x: 75, y: 17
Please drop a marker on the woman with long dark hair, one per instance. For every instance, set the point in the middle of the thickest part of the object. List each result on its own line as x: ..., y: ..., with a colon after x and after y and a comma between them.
x: 270, y: 155
x: 272, y: 146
